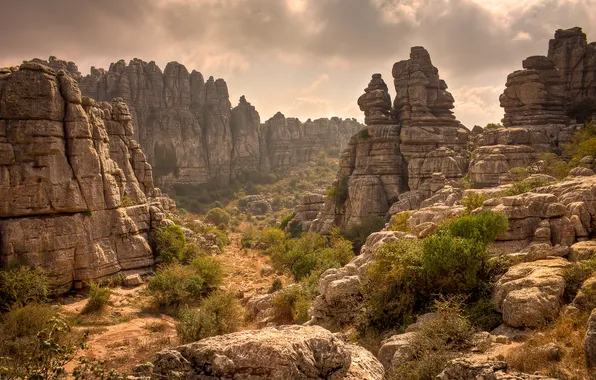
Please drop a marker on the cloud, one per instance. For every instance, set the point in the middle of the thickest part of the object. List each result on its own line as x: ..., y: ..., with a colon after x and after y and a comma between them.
x: 314, y: 85
x: 269, y: 48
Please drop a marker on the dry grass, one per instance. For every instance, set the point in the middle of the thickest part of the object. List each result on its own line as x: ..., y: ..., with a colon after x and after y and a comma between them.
x: 567, y: 333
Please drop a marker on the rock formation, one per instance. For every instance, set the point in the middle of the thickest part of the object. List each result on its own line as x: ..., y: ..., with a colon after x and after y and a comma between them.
x: 77, y: 195
x: 545, y: 103
x: 288, y: 352
x: 192, y: 135
x: 411, y: 152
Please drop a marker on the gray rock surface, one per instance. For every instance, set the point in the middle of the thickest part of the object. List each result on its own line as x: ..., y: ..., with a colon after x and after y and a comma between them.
x: 76, y: 191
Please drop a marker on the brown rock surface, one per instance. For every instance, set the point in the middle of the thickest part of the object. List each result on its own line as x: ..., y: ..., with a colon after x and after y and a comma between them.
x: 288, y: 352
x: 76, y: 191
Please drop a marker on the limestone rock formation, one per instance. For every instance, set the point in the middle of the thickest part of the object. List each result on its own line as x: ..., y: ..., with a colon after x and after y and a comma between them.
x: 530, y: 294
x: 590, y: 341
x: 192, y: 135
x: 464, y: 369
x: 545, y: 103
x: 403, y: 152
x: 307, y: 210
x: 76, y: 191
x: 287, y: 352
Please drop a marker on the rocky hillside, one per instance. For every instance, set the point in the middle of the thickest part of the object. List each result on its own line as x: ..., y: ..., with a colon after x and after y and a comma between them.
x: 77, y: 195
x: 190, y: 131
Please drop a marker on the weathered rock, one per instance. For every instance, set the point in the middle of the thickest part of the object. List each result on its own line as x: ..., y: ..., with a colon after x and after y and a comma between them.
x: 590, y: 341
x: 397, y: 350
x: 77, y: 195
x: 467, y: 369
x: 288, y: 352
x: 133, y: 280
x: 585, y: 300
x: 307, y: 210
x: 340, y: 299
x: 583, y: 250
x: 530, y: 294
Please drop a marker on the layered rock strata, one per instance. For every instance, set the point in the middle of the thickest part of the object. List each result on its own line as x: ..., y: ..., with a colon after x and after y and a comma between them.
x: 192, y: 135
x: 545, y: 103
x: 76, y: 191
x: 407, y: 153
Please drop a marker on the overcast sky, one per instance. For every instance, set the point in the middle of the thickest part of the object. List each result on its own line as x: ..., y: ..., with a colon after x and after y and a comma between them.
x: 305, y: 58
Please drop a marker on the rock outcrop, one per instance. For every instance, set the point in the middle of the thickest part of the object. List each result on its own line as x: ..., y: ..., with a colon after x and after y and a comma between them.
x: 410, y: 152
x: 191, y: 134
x: 545, y: 103
x: 288, y: 352
x: 464, y: 369
x: 76, y: 191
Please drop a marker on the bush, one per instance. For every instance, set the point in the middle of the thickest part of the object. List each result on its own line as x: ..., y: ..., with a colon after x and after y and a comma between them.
x: 575, y: 275
x: 277, y: 285
x: 219, y: 314
x: 400, y: 221
x: 36, y: 343
x: 271, y: 237
x: 484, y: 227
x: 22, y: 285
x: 175, y: 284
x: 472, y: 201
x: 490, y: 126
x: 217, y: 216
x: 99, y: 297
x: 210, y: 271
x: 169, y: 242
x: 310, y: 252
x: 395, y: 287
x: 358, y: 234
x: 291, y: 305
x: 286, y: 219
x: 338, y: 193
x: 525, y: 186
x: 439, y: 340
x: 482, y: 314
x: 190, y: 252
x: 364, y: 134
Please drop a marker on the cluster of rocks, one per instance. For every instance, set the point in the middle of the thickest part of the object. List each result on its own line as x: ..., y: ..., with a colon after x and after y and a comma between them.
x: 545, y: 103
x: 76, y: 191
x: 190, y: 132
x: 401, y: 151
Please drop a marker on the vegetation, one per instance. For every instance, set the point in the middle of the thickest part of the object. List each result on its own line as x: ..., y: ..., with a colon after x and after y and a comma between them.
x: 99, y: 297
x: 439, y: 340
x: 218, y: 216
x: 575, y: 275
x: 169, y: 242
x: 490, y: 126
x: 291, y: 305
x: 472, y: 201
x: 338, y: 193
x: 218, y: 314
x: 408, y: 275
x: 175, y: 284
x: 22, y: 285
x: 364, y: 134
x: 275, y: 286
x: 526, y: 185
x: 400, y: 221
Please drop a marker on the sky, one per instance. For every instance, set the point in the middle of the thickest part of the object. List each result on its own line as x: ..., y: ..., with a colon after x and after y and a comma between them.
x: 305, y: 58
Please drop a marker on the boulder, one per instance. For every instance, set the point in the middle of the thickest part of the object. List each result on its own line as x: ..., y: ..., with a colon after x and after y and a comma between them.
x: 468, y: 369
x: 288, y: 352
x: 590, y: 341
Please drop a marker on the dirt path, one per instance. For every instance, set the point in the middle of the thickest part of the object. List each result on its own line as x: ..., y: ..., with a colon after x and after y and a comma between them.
x: 130, y: 332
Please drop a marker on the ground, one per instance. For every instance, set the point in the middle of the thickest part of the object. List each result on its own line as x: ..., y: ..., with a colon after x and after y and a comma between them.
x: 130, y: 330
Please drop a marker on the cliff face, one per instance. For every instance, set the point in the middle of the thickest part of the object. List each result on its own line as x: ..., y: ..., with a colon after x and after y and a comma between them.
x: 76, y: 191
x: 399, y: 155
x: 545, y: 103
x: 190, y: 132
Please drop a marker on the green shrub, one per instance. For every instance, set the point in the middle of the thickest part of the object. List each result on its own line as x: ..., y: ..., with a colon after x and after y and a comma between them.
x: 472, y: 201
x: 175, y: 284
x: 249, y: 238
x: 36, y: 343
x: 286, y: 219
x: 400, y: 221
x: 525, y: 186
x: 395, y: 286
x: 575, y: 275
x: 484, y: 227
x: 99, y: 297
x: 358, y: 234
x: 217, y: 216
x: 22, y: 285
x: 555, y: 166
x: 364, y: 134
x: 490, y: 126
x: 210, y: 271
x: 190, y: 252
x: 218, y: 314
x: 169, y: 242
x: 291, y: 305
x: 271, y: 237
x: 439, y: 339
x: 482, y: 314
x: 277, y: 285
x: 221, y: 237
x: 338, y: 193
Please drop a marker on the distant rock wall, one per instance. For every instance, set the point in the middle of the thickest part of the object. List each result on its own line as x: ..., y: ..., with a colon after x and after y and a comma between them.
x: 190, y: 132
x: 76, y: 191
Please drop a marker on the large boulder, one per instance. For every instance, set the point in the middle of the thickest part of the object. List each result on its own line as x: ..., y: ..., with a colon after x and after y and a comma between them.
x: 530, y: 294
x: 467, y: 369
x: 288, y: 352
